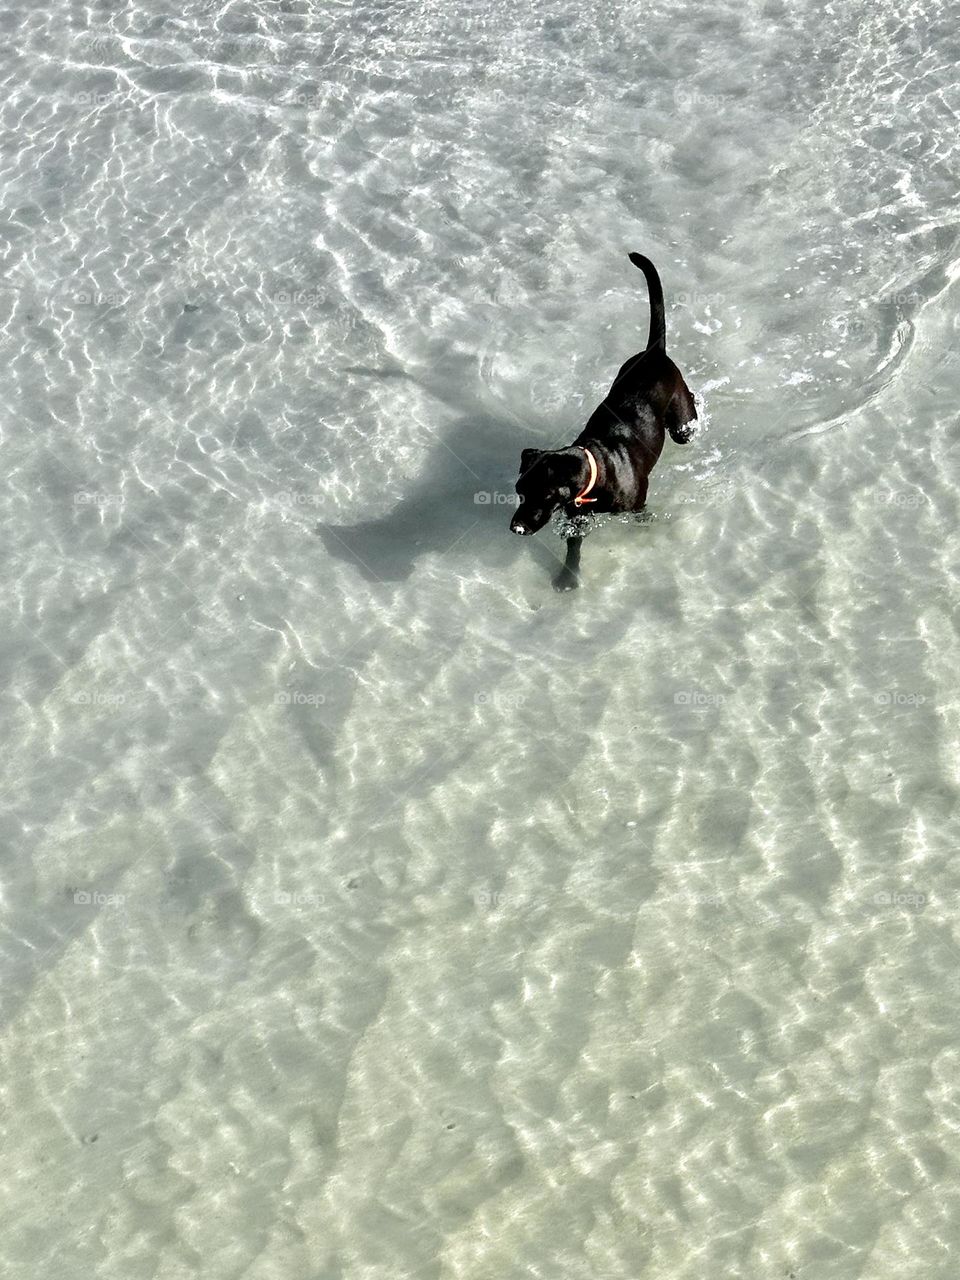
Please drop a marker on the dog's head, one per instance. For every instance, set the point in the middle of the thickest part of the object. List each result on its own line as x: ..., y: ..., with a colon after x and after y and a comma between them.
x: 546, y: 481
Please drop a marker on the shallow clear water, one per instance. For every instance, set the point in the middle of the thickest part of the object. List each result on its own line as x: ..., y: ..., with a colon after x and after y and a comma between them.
x: 368, y: 910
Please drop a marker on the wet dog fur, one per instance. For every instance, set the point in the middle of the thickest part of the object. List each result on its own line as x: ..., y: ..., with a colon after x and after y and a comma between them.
x: 625, y: 434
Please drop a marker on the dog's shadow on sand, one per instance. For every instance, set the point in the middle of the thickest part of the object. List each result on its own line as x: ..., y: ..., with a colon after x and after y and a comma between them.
x: 466, y: 487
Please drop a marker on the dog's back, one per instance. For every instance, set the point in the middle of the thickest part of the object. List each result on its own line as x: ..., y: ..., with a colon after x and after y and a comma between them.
x: 650, y: 376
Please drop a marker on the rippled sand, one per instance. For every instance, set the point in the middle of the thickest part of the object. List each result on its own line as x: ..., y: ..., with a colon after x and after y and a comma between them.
x: 369, y: 911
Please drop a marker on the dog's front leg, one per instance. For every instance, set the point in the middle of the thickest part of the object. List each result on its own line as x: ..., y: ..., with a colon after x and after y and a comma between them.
x: 568, y: 579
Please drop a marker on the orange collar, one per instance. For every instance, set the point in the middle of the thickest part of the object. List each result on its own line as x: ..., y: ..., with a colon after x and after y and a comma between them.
x: 581, y: 497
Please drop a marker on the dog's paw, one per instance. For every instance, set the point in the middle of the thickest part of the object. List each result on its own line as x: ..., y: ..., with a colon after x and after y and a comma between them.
x: 566, y: 580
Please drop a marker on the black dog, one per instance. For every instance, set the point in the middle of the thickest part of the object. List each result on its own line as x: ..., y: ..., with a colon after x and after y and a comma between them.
x: 608, y: 464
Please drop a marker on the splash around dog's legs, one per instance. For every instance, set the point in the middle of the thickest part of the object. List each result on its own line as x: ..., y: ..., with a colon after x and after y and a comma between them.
x: 568, y: 579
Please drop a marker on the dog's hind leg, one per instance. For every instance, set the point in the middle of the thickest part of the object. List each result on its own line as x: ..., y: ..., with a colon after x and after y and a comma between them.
x: 680, y: 416
x: 568, y: 579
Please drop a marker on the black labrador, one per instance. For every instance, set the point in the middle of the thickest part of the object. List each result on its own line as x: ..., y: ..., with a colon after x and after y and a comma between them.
x: 606, y: 467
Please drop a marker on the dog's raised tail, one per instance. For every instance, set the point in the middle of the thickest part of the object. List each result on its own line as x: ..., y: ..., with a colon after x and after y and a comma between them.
x: 658, y: 331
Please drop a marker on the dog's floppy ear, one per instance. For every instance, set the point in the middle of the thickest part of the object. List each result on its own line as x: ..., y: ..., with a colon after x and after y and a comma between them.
x: 528, y: 457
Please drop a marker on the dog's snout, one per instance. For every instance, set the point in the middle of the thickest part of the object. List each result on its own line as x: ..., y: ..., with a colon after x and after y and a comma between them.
x: 517, y: 526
